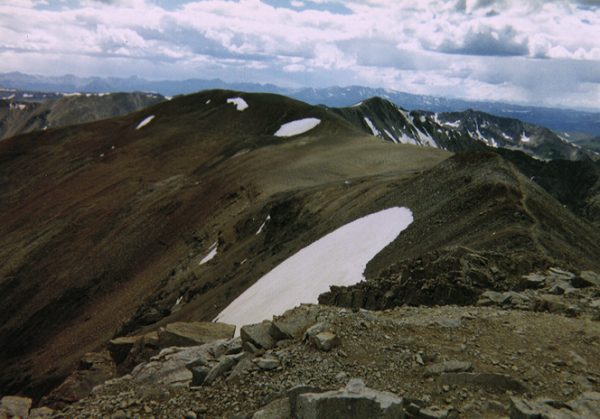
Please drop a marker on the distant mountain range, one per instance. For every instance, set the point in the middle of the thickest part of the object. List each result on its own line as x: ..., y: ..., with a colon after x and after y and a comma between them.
x: 560, y: 120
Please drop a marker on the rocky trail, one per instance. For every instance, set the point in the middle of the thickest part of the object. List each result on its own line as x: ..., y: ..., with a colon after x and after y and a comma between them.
x: 521, y: 354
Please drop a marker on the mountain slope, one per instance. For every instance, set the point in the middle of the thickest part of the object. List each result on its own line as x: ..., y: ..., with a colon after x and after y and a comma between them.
x: 118, y: 227
x: 102, y: 219
x: 22, y: 117
x: 459, y: 131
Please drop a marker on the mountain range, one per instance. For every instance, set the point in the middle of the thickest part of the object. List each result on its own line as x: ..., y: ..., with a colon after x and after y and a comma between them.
x: 569, y: 121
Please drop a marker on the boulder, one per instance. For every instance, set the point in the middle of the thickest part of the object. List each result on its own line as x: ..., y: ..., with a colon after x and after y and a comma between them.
x: 94, y: 368
x: 120, y: 347
x: 448, y: 367
x: 170, y: 366
x: 293, y: 323
x: 225, y: 364
x: 587, y: 405
x: 353, y: 402
x: 41, y: 413
x: 493, y: 381
x: 325, y: 341
x: 586, y: 279
x: 258, y: 335
x: 277, y: 409
x: 194, y: 333
x: 15, y: 406
x: 532, y: 281
x: 267, y: 363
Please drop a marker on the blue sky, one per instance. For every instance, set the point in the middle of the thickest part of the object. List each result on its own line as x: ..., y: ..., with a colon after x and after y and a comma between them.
x: 529, y: 51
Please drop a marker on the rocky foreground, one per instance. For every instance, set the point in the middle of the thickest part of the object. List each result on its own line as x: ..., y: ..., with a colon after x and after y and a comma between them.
x: 531, y: 353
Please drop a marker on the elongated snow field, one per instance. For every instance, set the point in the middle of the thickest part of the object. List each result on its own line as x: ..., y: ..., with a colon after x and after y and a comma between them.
x: 297, y: 127
x: 339, y: 258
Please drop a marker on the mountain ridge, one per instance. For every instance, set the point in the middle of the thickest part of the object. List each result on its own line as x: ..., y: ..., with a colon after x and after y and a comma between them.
x: 558, y: 119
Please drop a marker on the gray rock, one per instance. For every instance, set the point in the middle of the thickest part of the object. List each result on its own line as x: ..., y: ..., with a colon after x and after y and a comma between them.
x: 532, y: 281
x: 242, y: 368
x: 119, y: 348
x: 277, y: 409
x: 225, y: 364
x: 15, y: 406
x: 199, y: 374
x: 267, y: 363
x: 489, y: 380
x: 325, y: 341
x: 356, y: 401
x: 448, y: 367
x: 190, y: 415
x: 434, y: 412
x: 561, y: 287
x: 293, y: 323
x: 586, y: 279
x: 560, y: 274
x: 587, y: 405
x: 258, y: 335
x: 296, y: 391
x: 41, y: 413
x: 314, y: 330
x: 229, y: 347
x: 170, y: 366
x: 194, y: 333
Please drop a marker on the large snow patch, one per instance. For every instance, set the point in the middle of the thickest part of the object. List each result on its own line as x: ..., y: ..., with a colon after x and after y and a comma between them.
x: 339, y: 258
x: 297, y: 127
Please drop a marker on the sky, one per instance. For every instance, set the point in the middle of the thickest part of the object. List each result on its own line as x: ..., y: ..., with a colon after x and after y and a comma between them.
x: 537, y: 52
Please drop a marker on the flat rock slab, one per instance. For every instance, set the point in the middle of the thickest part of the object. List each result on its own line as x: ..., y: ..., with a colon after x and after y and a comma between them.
x: 587, y: 405
x: 498, y: 382
x: 354, y: 402
x: 194, y: 333
x: 448, y: 367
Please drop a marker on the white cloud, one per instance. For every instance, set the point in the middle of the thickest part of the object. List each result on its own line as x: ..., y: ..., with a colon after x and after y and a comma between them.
x: 445, y: 47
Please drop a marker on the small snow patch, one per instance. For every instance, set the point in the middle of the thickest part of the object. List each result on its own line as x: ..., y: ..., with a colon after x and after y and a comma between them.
x: 525, y: 138
x: 372, y: 127
x: 297, y: 127
x: 212, y: 252
x: 260, y: 229
x: 239, y: 103
x: 208, y: 102
x: 145, y: 122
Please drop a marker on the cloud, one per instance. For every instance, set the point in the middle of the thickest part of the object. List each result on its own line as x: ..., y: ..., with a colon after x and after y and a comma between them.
x: 525, y: 51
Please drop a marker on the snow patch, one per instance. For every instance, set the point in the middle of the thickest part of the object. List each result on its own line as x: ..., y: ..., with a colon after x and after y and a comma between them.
x: 455, y: 124
x: 145, y: 122
x: 262, y: 226
x: 356, y: 105
x: 297, y: 127
x: 212, y: 252
x: 391, y: 136
x: 339, y: 258
x: 239, y: 103
x: 374, y: 130
x: 525, y: 138
x: 207, y: 102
